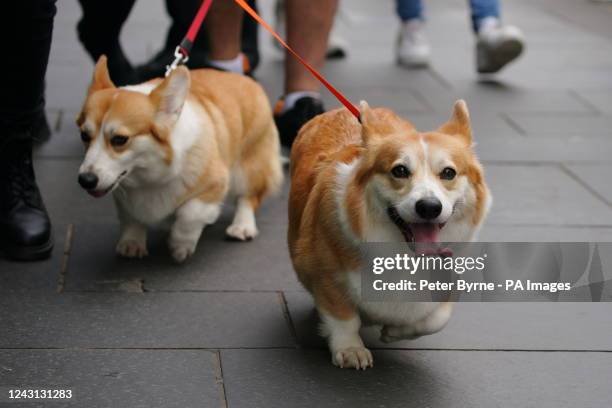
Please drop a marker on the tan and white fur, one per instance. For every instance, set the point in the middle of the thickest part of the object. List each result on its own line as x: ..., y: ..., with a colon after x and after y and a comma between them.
x: 173, y: 149
x: 379, y: 181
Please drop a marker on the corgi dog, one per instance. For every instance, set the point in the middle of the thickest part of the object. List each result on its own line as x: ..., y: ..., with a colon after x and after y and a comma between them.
x: 381, y: 181
x: 173, y: 149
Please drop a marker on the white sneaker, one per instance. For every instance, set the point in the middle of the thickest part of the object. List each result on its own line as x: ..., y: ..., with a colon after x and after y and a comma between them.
x: 413, y: 49
x: 497, y: 45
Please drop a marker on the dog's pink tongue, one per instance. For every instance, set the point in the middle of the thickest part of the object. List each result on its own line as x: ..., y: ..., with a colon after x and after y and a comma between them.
x: 427, y: 239
x: 96, y: 193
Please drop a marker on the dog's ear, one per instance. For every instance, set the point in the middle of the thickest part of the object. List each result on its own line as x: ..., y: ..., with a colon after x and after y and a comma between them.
x: 101, y: 78
x: 459, y: 123
x: 368, y: 122
x: 169, y: 98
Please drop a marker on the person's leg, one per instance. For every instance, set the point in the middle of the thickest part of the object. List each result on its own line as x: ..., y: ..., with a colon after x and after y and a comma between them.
x: 481, y: 9
x: 412, y: 47
x: 182, y: 13
x: 497, y: 44
x: 232, y: 41
x: 409, y: 10
x: 99, y: 30
x: 308, y: 27
x: 224, y: 27
x: 26, y: 29
x: 250, y: 39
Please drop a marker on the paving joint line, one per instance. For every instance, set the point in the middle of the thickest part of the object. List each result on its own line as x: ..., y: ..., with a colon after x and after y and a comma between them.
x: 585, y: 102
x: 440, y: 79
x: 422, y: 99
x: 513, y: 124
x: 219, y: 381
x: 61, y: 279
x: 584, y: 184
x: 287, y: 316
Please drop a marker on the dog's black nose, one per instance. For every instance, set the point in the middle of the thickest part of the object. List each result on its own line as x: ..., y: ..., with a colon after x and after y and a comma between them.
x: 428, y: 208
x: 88, y: 180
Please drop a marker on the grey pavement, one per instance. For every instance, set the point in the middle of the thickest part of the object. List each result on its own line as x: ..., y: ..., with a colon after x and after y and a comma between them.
x: 233, y: 327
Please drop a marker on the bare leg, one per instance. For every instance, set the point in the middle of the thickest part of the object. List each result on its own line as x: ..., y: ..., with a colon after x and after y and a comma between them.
x: 308, y: 26
x: 224, y: 26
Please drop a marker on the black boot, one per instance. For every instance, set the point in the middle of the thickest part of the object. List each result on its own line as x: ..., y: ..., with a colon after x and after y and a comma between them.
x: 25, y: 229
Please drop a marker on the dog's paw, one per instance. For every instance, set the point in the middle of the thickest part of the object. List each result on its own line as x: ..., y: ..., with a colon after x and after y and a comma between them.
x: 242, y: 232
x: 389, y: 334
x: 180, y: 252
x: 358, y: 358
x: 130, y: 248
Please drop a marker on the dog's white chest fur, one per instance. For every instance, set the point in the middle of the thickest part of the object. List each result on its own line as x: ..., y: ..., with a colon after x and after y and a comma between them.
x: 152, y: 205
x: 152, y: 194
x: 388, y: 313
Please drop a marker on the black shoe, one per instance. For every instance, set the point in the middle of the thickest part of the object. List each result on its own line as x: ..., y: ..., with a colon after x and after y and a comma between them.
x: 156, y: 66
x: 25, y: 229
x: 290, y: 122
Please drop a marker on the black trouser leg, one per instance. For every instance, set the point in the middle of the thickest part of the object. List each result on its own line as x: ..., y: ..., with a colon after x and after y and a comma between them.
x: 26, y: 28
x: 99, y: 30
x: 182, y: 13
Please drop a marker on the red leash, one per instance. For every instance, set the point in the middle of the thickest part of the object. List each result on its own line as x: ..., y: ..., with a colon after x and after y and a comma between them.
x: 182, y: 51
x: 343, y: 99
x: 181, y: 54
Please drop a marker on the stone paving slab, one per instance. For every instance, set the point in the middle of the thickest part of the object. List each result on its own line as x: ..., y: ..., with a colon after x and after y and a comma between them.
x: 262, y: 264
x: 65, y: 143
x: 510, y: 326
x: 301, y: 378
x: 543, y: 233
x: 543, y: 131
x: 596, y: 177
x: 562, y: 148
x: 556, y: 125
x: 143, y: 320
x: 493, y: 128
x: 114, y: 378
x: 496, y: 96
x: 66, y: 201
x: 69, y: 86
x: 600, y: 99
x: 542, y: 195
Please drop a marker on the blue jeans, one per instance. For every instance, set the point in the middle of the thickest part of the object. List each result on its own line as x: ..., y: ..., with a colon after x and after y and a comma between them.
x: 413, y: 9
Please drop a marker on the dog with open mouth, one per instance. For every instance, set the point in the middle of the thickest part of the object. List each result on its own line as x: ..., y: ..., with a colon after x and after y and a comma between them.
x: 174, y: 148
x: 378, y: 181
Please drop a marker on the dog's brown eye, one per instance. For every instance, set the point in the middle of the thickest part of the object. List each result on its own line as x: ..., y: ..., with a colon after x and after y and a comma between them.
x: 448, y: 173
x: 118, y: 140
x: 400, y: 171
x: 85, y: 137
